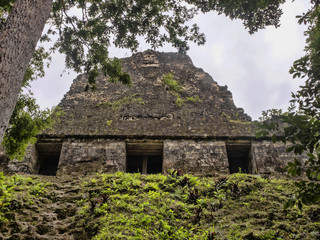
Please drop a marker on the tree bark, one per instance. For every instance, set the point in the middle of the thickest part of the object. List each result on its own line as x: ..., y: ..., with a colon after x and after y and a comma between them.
x: 18, y: 39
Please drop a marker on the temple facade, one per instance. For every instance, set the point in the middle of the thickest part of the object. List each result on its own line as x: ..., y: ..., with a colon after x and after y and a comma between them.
x: 173, y: 116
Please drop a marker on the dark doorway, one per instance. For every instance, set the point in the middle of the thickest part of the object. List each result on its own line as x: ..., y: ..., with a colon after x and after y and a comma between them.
x: 154, y: 164
x: 146, y: 158
x: 134, y: 164
x: 238, y: 157
x: 48, y: 158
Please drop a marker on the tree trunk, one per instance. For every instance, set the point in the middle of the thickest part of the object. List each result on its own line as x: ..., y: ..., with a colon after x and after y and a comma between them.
x: 18, y: 39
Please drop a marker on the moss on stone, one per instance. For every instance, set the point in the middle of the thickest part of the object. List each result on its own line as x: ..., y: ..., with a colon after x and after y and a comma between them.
x: 125, y: 100
x: 168, y: 80
x: 239, y: 121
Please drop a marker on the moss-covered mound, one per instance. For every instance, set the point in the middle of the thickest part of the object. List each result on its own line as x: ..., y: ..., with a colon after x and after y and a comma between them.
x: 134, y: 206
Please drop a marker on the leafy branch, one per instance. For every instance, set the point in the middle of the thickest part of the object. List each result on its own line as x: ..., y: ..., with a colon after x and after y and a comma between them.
x: 300, y: 125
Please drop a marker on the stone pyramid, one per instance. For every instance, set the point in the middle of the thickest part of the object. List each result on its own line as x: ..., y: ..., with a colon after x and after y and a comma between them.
x: 195, y: 107
x: 173, y: 116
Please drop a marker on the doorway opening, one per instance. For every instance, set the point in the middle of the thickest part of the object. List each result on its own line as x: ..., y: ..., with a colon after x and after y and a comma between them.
x: 239, y: 156
x: 146, y: 158
x: 48, y: 158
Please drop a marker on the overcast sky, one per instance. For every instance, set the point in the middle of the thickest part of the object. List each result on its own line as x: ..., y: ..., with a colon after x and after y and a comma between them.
x: 254, y: 67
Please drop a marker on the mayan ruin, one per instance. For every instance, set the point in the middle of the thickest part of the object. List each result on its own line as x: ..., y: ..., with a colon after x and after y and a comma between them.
x: 174, y: 116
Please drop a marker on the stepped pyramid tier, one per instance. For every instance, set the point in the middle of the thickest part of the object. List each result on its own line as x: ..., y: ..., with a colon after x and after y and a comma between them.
x: 197, y: 108
x: 173, y: 116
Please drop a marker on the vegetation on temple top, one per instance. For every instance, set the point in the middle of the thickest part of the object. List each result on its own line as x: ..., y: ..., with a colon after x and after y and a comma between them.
x: 134, y: 206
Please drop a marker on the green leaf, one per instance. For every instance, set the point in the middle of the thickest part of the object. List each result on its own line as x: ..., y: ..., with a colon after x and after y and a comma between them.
x: 289, y: 204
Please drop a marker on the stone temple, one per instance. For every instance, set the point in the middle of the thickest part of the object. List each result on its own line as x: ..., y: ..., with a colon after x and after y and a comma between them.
x: 173, y: 116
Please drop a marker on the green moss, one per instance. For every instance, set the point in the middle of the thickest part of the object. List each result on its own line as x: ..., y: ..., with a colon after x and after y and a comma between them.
x: 237, y: 121
x: 241, y: 122
x: 193, y: 99
x: 125, y: 100
x: 176, y: 88
x: 180, y: 101
x: 11, y: 188
x: 225, y: 115
x: 38, y: 189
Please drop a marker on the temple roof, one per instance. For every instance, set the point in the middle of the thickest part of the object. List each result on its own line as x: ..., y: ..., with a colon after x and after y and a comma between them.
x: 169, y: 98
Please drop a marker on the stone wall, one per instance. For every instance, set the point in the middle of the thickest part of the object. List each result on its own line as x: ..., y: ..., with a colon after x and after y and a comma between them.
x: 4, y: 160
x: 92, y: 156
x: 190, y: 156
x: 271, y: 157
x: 29, y: 164
x: 200, y: 157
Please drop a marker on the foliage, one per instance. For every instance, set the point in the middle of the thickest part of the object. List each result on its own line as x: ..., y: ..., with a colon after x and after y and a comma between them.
x: 172, y: 84
x: 85, y: 34
x: 27, y: 121
x: 10, y: 186
x: 134, y: 206
x: 300, y: 125
x: 5, y: 7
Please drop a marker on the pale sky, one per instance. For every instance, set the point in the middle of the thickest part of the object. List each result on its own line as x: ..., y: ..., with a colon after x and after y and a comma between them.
x: 254, y: 67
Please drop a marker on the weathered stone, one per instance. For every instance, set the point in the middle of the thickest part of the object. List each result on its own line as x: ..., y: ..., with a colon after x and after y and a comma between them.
x: 92, y: 156
x: 204, y: 157
x: 149, y: 127
x: 4, y: 160
x: 29, y: 164
x: 118, y: 110
x: 272, y: 157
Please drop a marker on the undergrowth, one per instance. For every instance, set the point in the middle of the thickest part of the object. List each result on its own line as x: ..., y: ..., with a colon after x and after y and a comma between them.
x: 172, y: 206
x: 239, y: 206
x: 16, y: 191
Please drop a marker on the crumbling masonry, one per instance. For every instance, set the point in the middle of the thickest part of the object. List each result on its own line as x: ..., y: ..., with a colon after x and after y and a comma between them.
x: 174, y: 116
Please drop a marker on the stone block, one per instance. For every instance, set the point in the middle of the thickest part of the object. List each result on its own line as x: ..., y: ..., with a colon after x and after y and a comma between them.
x: 29, y: 164
x: 92, y: 156
x: 197, y: 157
x: 271, y: 157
